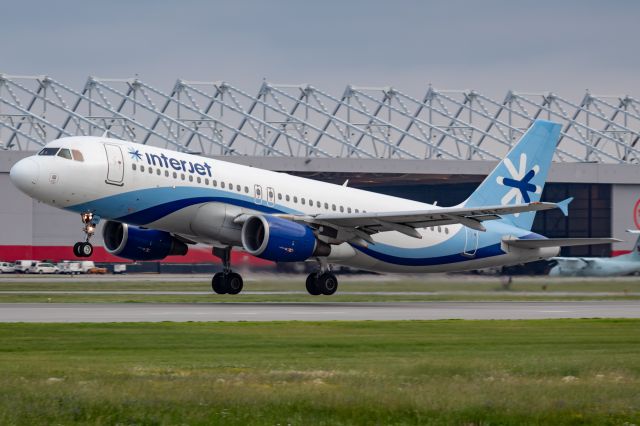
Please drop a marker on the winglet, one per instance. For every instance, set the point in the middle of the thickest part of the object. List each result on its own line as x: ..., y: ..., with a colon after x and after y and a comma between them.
x: 564, y: 205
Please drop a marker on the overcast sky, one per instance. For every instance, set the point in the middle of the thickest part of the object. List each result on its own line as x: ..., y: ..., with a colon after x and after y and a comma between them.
x: 490, y: 46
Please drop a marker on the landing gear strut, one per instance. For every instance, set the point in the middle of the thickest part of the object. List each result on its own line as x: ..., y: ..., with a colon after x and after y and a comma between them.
x: 227, y: 281
x: 322, y: 281
x: 85, y: 249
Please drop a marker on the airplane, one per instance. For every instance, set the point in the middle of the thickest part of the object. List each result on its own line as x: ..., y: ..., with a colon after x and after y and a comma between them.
x: 156, y: 202
x: 625, y: 264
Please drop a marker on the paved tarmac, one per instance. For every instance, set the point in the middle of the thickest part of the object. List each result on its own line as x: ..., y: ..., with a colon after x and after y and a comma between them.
x: 181, y: 312
x: 549, y: 294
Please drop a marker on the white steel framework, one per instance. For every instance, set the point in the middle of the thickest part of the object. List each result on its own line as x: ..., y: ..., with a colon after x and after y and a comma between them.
x: 216, y: 118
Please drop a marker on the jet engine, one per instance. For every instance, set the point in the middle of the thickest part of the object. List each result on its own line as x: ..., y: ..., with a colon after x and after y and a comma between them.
x: 135, y: 243
x: 280, y: 240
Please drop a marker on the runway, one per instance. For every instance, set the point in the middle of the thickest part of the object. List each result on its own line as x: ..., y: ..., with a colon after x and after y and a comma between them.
x: 233, y: 312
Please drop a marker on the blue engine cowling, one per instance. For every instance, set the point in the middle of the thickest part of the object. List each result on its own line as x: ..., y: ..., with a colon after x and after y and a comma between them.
x: 134, y: 243
x: 281, y: 240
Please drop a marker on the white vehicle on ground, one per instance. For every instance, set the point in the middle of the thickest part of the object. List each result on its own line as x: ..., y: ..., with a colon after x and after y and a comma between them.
x: 7, y: 268
x: 43, y: 268
x: 75, y: 267
x: 22, y: 266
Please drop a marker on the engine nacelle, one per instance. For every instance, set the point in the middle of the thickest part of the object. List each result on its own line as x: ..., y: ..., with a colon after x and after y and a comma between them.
x: 132, y: 242
x: 281, y: 240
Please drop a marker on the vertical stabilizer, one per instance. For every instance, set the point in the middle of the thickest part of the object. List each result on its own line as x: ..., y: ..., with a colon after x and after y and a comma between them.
x: 520, y: 176
x: 635, y: 250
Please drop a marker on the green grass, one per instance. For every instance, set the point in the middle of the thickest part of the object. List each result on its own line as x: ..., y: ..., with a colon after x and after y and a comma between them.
x: 437, y: 372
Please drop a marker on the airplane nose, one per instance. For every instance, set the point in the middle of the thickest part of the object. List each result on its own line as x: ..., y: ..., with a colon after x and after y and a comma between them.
x: 24, y: 174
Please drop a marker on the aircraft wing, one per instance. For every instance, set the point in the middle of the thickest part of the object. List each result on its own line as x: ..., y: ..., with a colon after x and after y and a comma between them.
x: 362, y: 225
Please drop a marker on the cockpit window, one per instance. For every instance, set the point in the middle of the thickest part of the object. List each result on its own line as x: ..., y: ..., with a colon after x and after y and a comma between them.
x: 65, y: 153
x: 77, y: 155
x: 49, y: 151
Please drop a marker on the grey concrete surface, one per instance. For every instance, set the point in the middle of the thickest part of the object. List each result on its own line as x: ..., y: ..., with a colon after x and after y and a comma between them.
x: 549, y: 294
x: 181, y: 312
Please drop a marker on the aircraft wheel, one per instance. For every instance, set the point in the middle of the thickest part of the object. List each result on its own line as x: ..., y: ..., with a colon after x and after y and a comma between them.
x: 218, y: 283
x: 234, y: 283
x: 85, y: 249
x: 76, y: 249
x: 327, y: 283
x: 311, y: 284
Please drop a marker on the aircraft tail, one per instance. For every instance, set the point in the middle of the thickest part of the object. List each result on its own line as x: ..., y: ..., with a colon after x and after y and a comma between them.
x: 520, y: 176
x: 635, y: 251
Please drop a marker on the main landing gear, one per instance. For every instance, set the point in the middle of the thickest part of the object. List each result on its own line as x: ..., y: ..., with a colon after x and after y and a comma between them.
x: 85, y: 249
x: 227, y: 281
x: 322, y: 282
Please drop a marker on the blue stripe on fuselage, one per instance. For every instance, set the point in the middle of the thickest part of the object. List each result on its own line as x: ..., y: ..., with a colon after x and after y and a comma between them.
x: 481, y: 253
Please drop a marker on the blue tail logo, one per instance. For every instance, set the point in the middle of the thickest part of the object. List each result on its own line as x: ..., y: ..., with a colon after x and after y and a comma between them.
x: 519, y: 181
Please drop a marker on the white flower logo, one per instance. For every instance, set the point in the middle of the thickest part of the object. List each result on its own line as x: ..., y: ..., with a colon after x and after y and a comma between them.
x: 519, y: 182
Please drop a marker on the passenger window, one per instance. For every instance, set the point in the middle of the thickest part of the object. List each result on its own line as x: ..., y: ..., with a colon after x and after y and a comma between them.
x: 150, y: 170
x: 206, y: 181
x: 166, y: 173
x: 302, y: 201
x: 230, y: 186
x: 333, y: 207
x: 238, y: 188
x: 357, y: 211
x: 318, y: 204
x: 326, y: 206
x: 287, y: 197
x: 446, y: 230
x: 49, y: 151
x: 190, y: 178
x: 279, y: 196
x: 295, y: 199
x: 175, y: 175
x: 77, y: 155
x: 182, y: 176
x: 198, y: 179
x: 439, y: 229
x: 142, y: 168
x: 133, y: 167
x: 246, y: 189
x: 341, y: 209
x: 158, y: 172
x: 215, y: 183
x: 348, y: 209
x: 64, y: 153
x: 311, y: 203
x: 221, y: 184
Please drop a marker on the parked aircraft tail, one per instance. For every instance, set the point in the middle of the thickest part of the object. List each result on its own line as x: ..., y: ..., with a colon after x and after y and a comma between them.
x: 520, y: 176
x: 635, y: 251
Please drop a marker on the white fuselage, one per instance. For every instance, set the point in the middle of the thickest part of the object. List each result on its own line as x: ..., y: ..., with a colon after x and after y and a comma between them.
x: 198, y: 197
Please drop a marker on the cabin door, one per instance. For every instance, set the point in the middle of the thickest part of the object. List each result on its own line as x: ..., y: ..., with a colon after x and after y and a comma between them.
x: 115, y: 165
x: 470, y: 242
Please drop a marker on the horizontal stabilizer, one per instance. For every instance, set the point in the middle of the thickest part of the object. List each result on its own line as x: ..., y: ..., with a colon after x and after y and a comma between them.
x: 559, y: 242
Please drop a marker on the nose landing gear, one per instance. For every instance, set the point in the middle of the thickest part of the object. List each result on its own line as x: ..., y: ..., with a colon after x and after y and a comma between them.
x: 227, y: 281
x: 85, y: 249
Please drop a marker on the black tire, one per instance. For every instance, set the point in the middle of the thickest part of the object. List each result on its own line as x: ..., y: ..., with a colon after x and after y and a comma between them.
x: 234, y: 283
x: 86, y: 249
x: 327, y: 283
x: 76, y: 250
x: 218, y: 284
x: 311, y: 284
